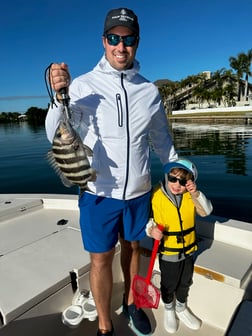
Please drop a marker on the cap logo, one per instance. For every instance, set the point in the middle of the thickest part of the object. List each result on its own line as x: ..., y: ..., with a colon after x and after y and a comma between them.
x: 123, y: 16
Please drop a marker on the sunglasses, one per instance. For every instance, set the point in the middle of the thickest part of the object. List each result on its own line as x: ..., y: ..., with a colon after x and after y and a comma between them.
x: 174, y: 179
x: 128, y: 41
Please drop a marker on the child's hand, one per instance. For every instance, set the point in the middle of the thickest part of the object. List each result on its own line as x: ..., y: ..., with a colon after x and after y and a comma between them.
x: 156, y: 233
x: 191, y: 187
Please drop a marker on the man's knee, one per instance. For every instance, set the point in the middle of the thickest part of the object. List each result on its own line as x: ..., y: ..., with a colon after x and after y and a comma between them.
x: 102, y: 259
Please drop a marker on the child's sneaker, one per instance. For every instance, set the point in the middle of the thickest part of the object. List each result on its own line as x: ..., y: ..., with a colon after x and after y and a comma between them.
x: 170, y: 321
x: 190, y: 320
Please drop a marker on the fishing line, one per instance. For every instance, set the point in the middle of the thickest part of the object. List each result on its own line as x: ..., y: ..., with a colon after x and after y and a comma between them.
x: 65, y: 98
x: 49, y: 85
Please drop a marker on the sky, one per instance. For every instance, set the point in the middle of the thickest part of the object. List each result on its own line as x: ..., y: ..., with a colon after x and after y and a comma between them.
x: 177, y: 38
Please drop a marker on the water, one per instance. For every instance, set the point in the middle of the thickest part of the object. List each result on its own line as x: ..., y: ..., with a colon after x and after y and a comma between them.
x: 222, y: 154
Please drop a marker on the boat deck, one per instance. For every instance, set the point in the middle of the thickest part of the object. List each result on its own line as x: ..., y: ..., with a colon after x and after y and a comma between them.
x: 51, y: 325
x: 42, y: 262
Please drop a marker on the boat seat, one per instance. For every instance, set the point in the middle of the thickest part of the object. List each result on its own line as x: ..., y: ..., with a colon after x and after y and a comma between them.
x: 11, y: 208
x: 224, y: 250
x: 40, y: 248
x: 38, y: 270
x: 223, y: 262
x: 41, y: 253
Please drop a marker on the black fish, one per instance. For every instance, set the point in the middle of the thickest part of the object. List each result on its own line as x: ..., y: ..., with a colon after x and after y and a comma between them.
x: 69, y: 157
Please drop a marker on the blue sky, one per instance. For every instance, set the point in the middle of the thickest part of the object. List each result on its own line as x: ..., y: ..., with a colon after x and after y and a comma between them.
x: 178, y: 38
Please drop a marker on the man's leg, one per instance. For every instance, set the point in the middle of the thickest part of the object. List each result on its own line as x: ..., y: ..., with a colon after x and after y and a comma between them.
x: 139, y: 321
x: 130, y: 266
x: 101, y: 281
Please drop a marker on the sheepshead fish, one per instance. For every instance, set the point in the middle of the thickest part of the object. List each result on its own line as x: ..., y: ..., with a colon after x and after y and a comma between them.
x: 69, y: 157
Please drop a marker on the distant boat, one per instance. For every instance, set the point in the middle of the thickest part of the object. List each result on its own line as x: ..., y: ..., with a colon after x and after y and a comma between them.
x: 22, y: 117
x: 42, y: 264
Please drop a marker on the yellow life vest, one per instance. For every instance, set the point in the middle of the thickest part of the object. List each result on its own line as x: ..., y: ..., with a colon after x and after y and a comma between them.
x: 179, y: 223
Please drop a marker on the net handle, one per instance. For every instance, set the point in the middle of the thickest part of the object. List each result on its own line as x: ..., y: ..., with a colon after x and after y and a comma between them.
x: 153, y: 256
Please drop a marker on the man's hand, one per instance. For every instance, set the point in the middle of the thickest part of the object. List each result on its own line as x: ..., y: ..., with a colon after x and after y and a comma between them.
x: 59, y: 77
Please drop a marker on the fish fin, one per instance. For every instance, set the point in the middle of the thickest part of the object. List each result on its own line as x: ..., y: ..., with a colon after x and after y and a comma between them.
x: 65, y: 180
x: 58, y: 171
x: 93, y: 175
x: 88, y: 150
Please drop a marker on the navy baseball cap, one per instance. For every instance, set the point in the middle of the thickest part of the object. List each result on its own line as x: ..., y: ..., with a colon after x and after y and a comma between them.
x: 121, y: 17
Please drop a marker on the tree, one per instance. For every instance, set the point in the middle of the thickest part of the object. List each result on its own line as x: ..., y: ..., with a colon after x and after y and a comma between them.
x: 222, y: 86
x: 9, y: 117
x: 247, y: 60
x: 217, y: 79
x: 36, y: 115
x: 229, y: 93
x: 168, y: 93
x: 242, y: 66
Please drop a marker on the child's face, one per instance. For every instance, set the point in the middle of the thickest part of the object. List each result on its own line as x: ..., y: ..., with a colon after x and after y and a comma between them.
x: 174, y: 185
x: 177, y: 180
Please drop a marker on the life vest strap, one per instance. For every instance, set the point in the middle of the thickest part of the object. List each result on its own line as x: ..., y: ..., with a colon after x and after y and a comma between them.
x: 183, y: 249
x: 178, y: 233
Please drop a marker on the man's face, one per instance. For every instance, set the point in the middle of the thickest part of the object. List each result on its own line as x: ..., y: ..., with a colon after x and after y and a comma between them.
x: 120, y: 56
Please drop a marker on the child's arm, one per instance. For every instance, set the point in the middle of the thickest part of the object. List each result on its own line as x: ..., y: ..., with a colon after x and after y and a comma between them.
x: 202, y: 204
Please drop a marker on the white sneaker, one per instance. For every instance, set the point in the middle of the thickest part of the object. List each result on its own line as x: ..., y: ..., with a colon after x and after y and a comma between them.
x: 72, y: 316
x: 89, y: 308
x: 83, y: 307
x: 190, y: 320
x: 170, y: 321
x: 86, y: 301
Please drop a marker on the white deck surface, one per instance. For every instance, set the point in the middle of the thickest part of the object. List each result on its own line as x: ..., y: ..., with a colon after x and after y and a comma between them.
x: 37, y: 257
x: 51, y: 325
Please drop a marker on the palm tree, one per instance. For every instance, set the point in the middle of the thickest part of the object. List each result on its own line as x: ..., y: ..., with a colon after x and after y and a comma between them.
x: 237, y: 65
x: 217, y: 79
x: 242, y: 65
x: 229, y: 88
x: 246, y: 69
x: 229, y: 94
x: 201, y: 94
x: 168, y: 93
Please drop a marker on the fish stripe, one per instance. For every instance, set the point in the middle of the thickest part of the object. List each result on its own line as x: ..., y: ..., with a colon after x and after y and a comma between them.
x: 72, y: 161
x: 74, y: 169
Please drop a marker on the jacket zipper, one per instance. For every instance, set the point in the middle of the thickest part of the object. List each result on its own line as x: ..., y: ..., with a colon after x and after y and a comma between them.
x: 119, y: 109
x: 128, y: 136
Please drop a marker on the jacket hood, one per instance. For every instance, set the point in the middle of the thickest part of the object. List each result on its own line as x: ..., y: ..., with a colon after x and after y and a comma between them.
x: 175, y: 199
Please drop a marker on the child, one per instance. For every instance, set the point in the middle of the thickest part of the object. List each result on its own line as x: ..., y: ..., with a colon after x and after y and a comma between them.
x: 175, y: 203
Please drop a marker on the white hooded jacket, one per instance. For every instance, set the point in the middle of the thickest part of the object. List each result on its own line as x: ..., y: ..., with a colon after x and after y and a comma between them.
x: 117, y: 114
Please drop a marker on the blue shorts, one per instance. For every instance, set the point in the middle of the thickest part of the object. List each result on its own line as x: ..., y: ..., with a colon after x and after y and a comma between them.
x: 102, y: 218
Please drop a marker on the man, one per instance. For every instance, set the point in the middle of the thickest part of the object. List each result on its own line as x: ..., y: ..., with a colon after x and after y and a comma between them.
x: 117, y: 113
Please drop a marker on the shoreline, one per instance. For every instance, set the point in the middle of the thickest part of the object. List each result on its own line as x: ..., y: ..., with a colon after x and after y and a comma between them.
x: 234, y: 119
x: 214, y: 115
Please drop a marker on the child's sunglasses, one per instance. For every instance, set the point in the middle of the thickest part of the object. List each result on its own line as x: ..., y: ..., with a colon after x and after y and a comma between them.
x: 174, y: 179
